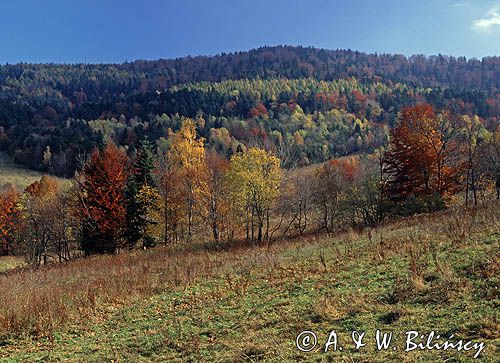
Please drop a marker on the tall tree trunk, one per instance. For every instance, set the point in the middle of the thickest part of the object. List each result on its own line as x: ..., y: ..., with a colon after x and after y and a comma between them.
x: 259, y: 233
x: 267, y: 226
x: 325, y: 217
x: 165, y: 220
x: 252, y: 225
x: 467, y: 182
x: 474, y: 189
x: 247, y: 223
x: 498, y: 186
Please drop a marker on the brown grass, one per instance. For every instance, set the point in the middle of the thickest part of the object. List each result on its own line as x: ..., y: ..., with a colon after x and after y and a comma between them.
x: 39, y: 302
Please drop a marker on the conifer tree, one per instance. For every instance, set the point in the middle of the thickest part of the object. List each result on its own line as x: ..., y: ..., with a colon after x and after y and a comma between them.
x: 143, y: 198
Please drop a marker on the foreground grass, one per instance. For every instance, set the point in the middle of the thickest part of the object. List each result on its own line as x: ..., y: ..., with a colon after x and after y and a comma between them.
x: 424, y: 274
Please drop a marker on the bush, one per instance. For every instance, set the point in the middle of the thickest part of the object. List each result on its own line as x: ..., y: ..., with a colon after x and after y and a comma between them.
x: 418, y: 204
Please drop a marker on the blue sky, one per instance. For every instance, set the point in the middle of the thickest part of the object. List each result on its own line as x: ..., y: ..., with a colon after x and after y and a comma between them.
x: 68, y: 31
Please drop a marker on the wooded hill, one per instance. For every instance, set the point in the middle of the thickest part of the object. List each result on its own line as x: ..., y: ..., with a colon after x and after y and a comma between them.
x: 304, y: 104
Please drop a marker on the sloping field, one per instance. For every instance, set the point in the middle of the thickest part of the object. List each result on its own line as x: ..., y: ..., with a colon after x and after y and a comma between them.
x: 429, y: 273
x: 11, y: 173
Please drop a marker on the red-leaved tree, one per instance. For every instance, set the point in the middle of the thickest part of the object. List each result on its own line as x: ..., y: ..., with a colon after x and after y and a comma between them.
x: 9, y: 219
x: 102, y: 205
x: 423, y: 157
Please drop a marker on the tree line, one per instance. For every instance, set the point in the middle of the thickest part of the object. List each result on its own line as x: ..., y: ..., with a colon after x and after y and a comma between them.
x: 186, y: 192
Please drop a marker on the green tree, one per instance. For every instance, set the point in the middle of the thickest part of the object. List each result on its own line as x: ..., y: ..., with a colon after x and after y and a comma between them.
x: 142, y: 199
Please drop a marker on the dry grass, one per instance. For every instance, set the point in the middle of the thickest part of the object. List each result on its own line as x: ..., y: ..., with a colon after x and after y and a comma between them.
x: 15, y: 175
x: 39, y: 302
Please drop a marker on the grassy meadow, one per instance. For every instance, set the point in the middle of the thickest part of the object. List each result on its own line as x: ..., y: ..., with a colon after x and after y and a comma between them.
x: 243, y: 303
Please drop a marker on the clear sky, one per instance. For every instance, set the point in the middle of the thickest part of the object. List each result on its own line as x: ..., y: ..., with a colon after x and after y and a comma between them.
x: 93, y: 31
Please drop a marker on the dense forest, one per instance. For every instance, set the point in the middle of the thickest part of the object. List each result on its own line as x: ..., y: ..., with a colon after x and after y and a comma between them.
x: 305, y: 105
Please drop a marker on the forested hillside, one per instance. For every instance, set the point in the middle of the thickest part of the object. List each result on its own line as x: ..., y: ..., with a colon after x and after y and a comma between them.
x: 305, y: 105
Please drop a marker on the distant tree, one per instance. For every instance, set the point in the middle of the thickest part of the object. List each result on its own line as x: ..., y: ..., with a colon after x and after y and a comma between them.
x: 296, y: 201
x: 365, y: 197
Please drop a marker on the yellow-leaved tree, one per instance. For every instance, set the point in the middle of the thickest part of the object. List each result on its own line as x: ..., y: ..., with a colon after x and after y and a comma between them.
x: 148, y: 197
x: 185, y: 156
x: 255, y: 179
x: 186, y: 151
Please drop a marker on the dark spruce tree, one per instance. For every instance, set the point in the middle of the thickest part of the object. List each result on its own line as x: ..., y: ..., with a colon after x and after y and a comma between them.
x: 140, y: 206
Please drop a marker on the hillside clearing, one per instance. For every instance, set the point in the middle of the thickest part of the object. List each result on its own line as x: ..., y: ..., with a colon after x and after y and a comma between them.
x: 16, y: 175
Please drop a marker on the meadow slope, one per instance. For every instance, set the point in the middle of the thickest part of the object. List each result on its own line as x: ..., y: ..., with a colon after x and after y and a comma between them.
x: 200, y: 303
x: 18, y: 176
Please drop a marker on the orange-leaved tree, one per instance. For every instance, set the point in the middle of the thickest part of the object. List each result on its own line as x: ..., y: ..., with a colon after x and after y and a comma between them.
x: 44, y: 227
x: 102, y: 202
x: 422, y: 159
x: 9, y: 219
